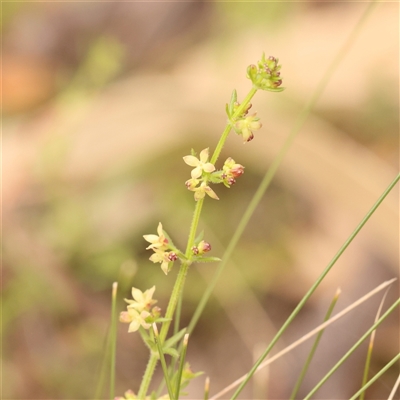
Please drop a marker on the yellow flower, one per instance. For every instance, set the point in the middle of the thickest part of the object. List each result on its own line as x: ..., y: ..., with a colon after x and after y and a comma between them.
x: 157, y: 242
x: 165, y: 258
x: 142, y: 300
x: 134, y: 318
x: 246, y: 126
x: 200, y: 165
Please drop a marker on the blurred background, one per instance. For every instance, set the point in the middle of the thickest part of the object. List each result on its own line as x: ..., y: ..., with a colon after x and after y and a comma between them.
x: 101, y: 101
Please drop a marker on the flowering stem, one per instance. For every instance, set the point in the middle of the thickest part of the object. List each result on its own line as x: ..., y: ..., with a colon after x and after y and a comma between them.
x: 180, y: 280
x: 228, y: 127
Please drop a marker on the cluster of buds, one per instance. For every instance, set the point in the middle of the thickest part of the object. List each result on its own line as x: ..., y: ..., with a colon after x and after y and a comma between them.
x: 231, y: 171
x: 201, y: 248
x: 140, y: 312
x: 202, y: 169
x: 265, y: 75
x: 242, y: 122
x: 165, y: 252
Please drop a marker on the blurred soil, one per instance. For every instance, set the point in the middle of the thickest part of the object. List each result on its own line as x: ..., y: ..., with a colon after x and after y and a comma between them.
x: 100, y: 103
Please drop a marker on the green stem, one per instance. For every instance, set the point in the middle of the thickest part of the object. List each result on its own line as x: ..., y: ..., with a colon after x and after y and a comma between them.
x: 228, y: 127
x: 193, y: 226
x: 173, y: 301
x: 148, y: 374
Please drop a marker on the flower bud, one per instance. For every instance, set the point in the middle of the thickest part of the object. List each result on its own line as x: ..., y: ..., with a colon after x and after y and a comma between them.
x: 204, y: 247
x: 195, y: 250
x: 156, y: 312
x: 191, y: 184
x: 252, y: 72
x: 172, y: 256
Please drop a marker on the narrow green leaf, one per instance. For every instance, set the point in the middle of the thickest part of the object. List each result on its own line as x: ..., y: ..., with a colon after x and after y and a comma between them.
x: 174, y: 339
x: 170, y: 351
x: 351, y: 351
x: 378, y: 375
x: 232, y: 101
x: 370, y: 347
x: 163, y: 363
x: 314, y: 347
x: 113, y: 338
x: 199, y: 237
x: 227, y: 111
x: 181, y: 365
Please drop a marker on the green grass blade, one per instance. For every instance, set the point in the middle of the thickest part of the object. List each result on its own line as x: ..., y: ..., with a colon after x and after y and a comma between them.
x: 113, y: 338
x: 370, y: 348
x: 314, y: 348
x: 301, y: 119
x: 378, y: 375
x: 181, y: 365
x: 163, y: 363
x: 316, y: 284
x: 353, y: 348
x: 103, y: 368
x: 307, y: 336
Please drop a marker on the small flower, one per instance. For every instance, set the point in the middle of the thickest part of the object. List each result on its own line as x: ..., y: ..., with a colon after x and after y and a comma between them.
x: 142, y: 300
x: 200, y: 165
x: 157, y: 242
x: 246, y: 126
x: 231, y: 168
x: 192, y: 183
x: 202, y: 190
x: 165, y: 258
x: 135, y: 319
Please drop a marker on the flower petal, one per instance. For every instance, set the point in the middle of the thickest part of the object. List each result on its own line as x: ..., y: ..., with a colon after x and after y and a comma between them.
x: 191, y: 160
x: 208, y: 167
x: 151, y: 238
x: 164, y: 267
x: 204, y: 155
x: 196, y: 173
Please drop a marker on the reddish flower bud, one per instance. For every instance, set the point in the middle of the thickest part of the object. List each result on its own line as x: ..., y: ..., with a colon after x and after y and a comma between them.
x: 172, y: 256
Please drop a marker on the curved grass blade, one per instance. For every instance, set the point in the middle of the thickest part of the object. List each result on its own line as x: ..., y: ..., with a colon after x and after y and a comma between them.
x: 163, y: 363
x: 370, y: 347
x: 307, y: 336
x: 316, y: 284
x: 314, y: 347
x: 352, y: 349
x: 181, y: 365
x: 379, y: 374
